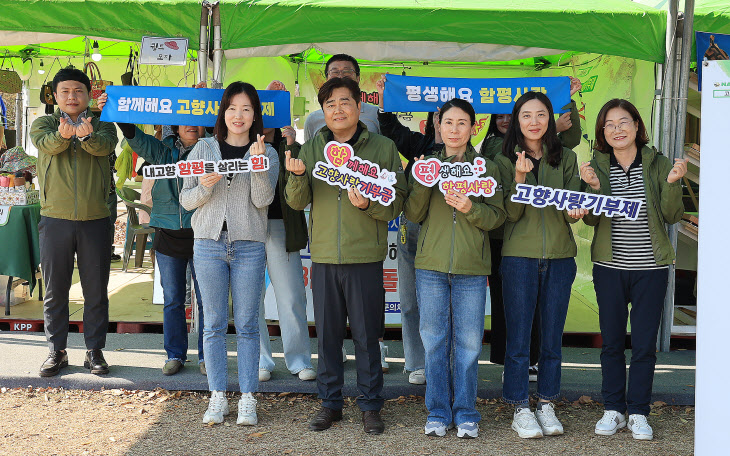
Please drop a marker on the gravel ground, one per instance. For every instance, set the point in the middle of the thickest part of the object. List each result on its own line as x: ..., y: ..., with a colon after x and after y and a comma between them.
x: 54, y: 421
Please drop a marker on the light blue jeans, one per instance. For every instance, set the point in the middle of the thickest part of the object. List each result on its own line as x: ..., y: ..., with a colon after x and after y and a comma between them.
x: 452, y: 328
x: 287, y: 279
x: 409, y: 313
x: 239, y: 266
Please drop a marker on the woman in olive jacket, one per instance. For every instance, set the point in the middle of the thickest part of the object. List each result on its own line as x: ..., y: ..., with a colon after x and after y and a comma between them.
x: 452, y: 264
x: 538, y: 260
x: 631, y: 259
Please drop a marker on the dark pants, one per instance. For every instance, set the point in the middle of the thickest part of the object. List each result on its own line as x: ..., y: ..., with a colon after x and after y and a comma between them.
x: 111, y: 203
x: 645, y: 290
x: 499, y: 333
x: 356, y: 291
x: 59, y: 241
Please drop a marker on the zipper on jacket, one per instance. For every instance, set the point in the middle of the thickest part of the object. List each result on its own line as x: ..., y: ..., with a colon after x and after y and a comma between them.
x: 453, y: 236
x: 423, y: 241
x: 179, y: 211
x: 542, y: 214
x: 377, y: 231
x: 339, y: 226
x: 76, y: 196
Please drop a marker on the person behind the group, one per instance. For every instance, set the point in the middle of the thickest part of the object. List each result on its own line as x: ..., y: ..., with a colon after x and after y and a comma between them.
x: 411, y: 145
x: 631, y: 259
x: 348, y: 242
x: 568, y: 128
x: 173, y: 241
x: 538, y: 261
x: 74, y: 181
x: 452, y: 264
x: 229, y: 254
x: 286, y: 236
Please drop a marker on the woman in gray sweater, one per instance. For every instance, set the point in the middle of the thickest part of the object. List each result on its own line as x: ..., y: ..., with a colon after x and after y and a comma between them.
x: 230, y: 225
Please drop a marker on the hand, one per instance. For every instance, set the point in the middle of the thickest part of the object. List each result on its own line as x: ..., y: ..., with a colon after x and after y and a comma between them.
x: 290, y: 134
x: 101, y: 101
x: 210, y: 179
x: 294, y: 165
x: 418, y: 158
x: 85, y: 129
x: 276, y: 85
x: 577, y: 213
x: 200, y: 85
x: 678, y: 171
x: 522, y: 167
x: 459, y: 201
x: 588, y: 174
x: 357, y: 199
x: 65, y: 129
x: 258, y: 148
x: 380, y: 86
x: 575, y: 86
x: 563, y: 123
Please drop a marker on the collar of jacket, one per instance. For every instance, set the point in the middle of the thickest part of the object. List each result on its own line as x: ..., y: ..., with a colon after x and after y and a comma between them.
x: 325, y: 132
x: 603, y: 159
x: 469, y: 155
x: 87, y: 113
x: 544, y: 152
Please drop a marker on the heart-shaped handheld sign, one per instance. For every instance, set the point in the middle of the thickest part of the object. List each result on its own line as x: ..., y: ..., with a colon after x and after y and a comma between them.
x: 426, y: 172
x: 171, y: 45
x: 338, y: 154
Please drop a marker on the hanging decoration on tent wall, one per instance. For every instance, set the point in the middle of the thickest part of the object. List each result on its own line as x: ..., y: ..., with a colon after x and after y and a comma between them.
x: 163, y: 51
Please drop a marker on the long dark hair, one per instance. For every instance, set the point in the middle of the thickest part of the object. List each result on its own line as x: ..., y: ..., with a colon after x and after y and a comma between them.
x: 257, y: 128
x: 429, y: 129
x: 514, y: 137
x: 642, y: 138
x: 492, y: 132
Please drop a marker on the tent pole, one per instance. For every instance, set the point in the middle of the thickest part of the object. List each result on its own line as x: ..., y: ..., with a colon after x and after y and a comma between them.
x: 203, y: 49
x: 217, y: 48
x: 18, y: 116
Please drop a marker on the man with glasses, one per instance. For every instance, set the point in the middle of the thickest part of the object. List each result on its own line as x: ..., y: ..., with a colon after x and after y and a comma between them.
x: 342, y: 66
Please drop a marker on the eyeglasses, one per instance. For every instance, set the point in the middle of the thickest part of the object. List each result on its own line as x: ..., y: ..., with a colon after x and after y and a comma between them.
x: 341, y: 73
x: 620, y: 127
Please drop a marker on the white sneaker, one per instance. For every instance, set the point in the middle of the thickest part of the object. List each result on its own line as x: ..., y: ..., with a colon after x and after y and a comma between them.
x: 611, y: 422
x: 264, y: 375
x: 217, y: 408
x: 307, y: 374
x: 548, y: 421
x: 640, y: 428
x: 526, y: 425
x: 435, y: 429
x: 247, y: 410
x: 468, y: 430
x: 383, y: 354
x: 417, y: 377
x: 344, y: 354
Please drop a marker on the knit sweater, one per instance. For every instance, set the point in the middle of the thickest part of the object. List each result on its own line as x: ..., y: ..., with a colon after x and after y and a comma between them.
x: 243, y: 204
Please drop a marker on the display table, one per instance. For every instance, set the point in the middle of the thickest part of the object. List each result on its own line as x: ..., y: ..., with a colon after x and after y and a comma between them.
x: 20, y: 255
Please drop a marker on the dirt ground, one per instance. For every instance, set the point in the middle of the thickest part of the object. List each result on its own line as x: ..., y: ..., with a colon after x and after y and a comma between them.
x: 119, y: 422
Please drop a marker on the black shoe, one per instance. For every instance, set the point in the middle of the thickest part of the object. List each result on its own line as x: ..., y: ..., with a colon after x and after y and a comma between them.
x: 57, y: 360
x: 95, y: 361
x: 116, y: 258
x: 324, y: 419
x: 372, y: 423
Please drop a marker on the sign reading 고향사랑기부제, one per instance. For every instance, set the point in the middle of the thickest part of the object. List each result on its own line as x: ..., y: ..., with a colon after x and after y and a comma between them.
x: 185, y: 106
x: 487, y: 96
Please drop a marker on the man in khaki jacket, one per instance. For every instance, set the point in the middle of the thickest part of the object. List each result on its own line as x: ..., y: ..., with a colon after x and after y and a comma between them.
x: 73, y: 176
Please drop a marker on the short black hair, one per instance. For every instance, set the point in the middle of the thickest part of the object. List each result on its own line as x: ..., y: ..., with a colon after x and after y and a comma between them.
x: 342, y: 58
x: 335, y: 83
x: 642, y: 138
x: 461, y: 104
x: 71, y: 74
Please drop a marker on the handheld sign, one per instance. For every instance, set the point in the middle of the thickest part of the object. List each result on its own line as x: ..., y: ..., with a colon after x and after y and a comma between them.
x: 610, y: 206
x: 192, y: 168
x: 343, y: 169
x: 455, y: 177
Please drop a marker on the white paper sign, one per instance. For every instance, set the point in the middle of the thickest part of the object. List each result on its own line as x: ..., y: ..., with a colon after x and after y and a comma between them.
x: 4, y: 213
x: 163, y: 51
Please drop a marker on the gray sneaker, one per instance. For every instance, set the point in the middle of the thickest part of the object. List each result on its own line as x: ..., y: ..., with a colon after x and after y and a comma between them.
x: 172, y: 367
x: 467, y: 430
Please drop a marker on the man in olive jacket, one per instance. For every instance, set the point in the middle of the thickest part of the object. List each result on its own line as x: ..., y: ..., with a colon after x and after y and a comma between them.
x: 348, y: 242
x: 73, y: 176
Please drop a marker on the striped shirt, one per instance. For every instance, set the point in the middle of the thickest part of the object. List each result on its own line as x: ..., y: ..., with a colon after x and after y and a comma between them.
x: 630, y: 239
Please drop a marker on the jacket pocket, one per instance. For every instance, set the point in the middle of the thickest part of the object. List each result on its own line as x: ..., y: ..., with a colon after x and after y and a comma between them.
x: 484, y: 246
x: 45, y: 176
x: 423, y: 241
x: 377, y: 231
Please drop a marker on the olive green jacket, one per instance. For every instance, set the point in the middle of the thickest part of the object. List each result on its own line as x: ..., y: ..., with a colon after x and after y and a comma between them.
x: 533, y: 232
x: 451, y: 241
x: 339, y: 232
x: 663, y: 205
x: 73, y: 175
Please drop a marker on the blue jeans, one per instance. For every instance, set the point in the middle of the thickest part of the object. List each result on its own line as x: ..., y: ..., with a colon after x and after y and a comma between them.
x: 525, y: 282
x: 287, y: 279
x: 239, y: 267
x: 452, y: 327
x: 173, y: 278
x: 412, y: 345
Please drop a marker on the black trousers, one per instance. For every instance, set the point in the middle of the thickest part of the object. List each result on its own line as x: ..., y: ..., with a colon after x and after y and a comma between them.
x: 356, y: 291
x: 498, y: 340
x: 645, y: 290
x: 89, y: 240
